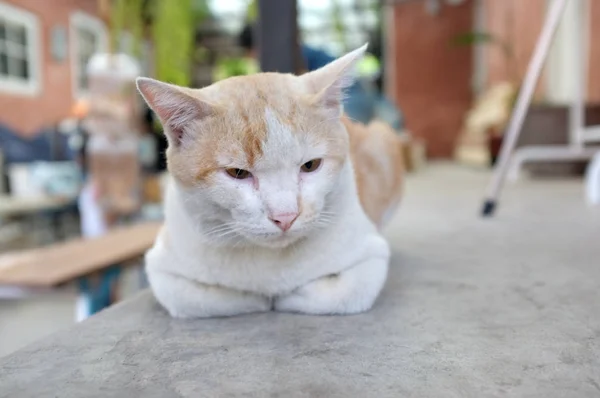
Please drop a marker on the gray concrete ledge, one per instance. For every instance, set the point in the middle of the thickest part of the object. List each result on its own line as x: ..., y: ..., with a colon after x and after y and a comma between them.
x: 473, y: 308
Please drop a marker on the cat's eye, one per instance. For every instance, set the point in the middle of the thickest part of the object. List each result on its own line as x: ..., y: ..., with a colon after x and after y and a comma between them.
x: 240, y: 174
x: 311, y: 165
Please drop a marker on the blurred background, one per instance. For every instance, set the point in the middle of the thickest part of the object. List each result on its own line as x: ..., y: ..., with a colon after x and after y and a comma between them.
x: 443, y: 73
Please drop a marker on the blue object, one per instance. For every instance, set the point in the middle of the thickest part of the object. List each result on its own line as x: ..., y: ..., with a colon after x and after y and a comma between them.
x: 17, y: 149
x: 99, y: 296
x: 315, y: 58
x: 362, y: 104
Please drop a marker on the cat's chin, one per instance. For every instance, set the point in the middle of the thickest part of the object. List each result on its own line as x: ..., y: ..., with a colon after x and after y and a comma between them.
x: 280, y: 241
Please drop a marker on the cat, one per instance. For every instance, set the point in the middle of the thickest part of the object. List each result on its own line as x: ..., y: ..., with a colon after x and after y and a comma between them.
x: 263, y: 211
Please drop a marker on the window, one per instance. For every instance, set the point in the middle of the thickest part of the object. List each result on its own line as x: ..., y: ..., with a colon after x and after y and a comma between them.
x: 19, y: 60
x: 88, y: 36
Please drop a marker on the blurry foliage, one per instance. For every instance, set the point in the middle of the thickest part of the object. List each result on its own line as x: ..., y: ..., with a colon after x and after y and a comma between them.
x: 369, y: 66
x: 137, y: 25
x: 173, y: 36
x: 201, y: 54
x: 229, y: 67
x: 117, y: 22
x: 492, y: 111
x: 252, y: 11
x: 200, y: 11
x: 172, y: 26
x: 127, y: 15
x: 474, y: 38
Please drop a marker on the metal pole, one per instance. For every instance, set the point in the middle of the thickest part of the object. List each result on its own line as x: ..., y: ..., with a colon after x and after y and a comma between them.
x: 277, y: 35
x: 522, y: 105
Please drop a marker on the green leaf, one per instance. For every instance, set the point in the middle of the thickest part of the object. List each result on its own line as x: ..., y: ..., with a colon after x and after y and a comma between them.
x: 471, y: 38
x: 173, y: 34
x: 252, y: 11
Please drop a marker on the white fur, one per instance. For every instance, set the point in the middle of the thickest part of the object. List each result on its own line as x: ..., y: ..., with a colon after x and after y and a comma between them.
x: 336, y: 266
x: 219, y: 253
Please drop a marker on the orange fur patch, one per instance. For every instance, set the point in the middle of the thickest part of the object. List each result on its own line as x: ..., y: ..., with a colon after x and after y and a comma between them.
x: 376, y: 152
x: 237, y: 130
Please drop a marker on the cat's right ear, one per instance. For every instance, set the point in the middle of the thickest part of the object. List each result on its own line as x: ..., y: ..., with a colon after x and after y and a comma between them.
x: 174, y: 106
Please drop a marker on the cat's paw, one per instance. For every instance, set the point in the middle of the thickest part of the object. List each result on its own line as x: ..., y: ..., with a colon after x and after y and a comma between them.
x: 185, y: 298
x: 349, y: 292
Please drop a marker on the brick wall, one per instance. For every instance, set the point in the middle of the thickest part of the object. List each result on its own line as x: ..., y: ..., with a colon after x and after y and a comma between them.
x: 27, y: 114
x: 432, y: 78
x: 431, y: 81
x: 518, y: 23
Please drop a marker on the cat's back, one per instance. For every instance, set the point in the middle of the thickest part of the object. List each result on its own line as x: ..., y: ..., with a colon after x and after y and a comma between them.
x: 376, y: 151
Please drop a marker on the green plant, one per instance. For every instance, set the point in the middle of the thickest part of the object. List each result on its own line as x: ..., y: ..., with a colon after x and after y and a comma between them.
x: 252, y: 11
x: 474, y: 38
x: 229, y: 67
x: 173, y: 36
x: 127, y: 15
x: 200, y: 11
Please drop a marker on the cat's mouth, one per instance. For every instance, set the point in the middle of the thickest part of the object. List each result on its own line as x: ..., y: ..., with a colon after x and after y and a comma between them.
x: 274, y: 239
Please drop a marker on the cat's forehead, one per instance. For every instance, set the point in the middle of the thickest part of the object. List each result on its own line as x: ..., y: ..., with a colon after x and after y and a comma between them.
x: 255, y: 92
x: 265, y: 121
x: 262, y: 111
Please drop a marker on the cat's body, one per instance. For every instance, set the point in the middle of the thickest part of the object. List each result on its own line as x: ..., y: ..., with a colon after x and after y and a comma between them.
x: 286, y: 229
x: 376, y: 152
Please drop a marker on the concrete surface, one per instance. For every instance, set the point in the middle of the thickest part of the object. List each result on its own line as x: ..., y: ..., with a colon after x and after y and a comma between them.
x: 26, y: 318
x: 473, y: 308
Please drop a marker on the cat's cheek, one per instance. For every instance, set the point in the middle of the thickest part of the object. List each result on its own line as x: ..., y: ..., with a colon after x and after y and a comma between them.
x: 243, y: 199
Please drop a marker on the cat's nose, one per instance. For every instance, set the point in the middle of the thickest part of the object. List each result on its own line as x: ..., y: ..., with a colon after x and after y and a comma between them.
x: 284, y: 221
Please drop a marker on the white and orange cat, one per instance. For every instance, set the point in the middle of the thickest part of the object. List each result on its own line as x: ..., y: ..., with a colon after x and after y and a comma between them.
x: 275, y: 200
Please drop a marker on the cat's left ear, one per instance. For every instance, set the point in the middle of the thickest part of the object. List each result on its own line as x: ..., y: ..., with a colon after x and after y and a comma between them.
x: 329, y: 82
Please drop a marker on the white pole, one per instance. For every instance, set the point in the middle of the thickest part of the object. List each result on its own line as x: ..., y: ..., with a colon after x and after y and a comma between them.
x: 522, y: 105
x: 577, y: 112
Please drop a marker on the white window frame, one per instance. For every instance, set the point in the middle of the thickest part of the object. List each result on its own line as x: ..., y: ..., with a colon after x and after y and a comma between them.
x: 82, y: 20
x: 33, y: 85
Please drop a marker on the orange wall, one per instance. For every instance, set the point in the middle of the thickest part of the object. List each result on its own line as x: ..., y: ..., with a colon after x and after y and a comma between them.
x: 516, y: 22
x: 27, y: 114
x: 432, y: 78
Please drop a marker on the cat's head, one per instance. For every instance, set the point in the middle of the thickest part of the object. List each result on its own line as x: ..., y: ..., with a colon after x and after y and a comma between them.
x: 258, y: 156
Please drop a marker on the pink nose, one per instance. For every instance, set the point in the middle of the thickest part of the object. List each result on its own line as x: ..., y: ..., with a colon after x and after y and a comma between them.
x: 284, y: 221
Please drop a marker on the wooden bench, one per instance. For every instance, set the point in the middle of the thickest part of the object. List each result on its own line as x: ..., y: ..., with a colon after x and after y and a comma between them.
x: 79, y: 259
x: 11, y: 206
x: 26, y: 210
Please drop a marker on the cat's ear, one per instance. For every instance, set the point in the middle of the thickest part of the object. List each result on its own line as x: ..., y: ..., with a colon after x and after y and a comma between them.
x: 329, y: 82
x: 174, y: 106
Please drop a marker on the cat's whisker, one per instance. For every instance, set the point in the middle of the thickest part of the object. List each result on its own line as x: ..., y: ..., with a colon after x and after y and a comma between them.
x: 222, y: 232
x: 220, y: 228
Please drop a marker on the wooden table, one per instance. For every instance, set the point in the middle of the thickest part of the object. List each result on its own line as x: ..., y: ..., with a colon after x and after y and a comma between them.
x: 80, y: 260
x: 27, y: 209
x: 60, y: 263
x: 11, y: 206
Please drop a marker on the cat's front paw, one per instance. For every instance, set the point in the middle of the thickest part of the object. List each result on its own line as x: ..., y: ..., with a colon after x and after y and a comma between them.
x: 186, y: 298
x: 349, y: 292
